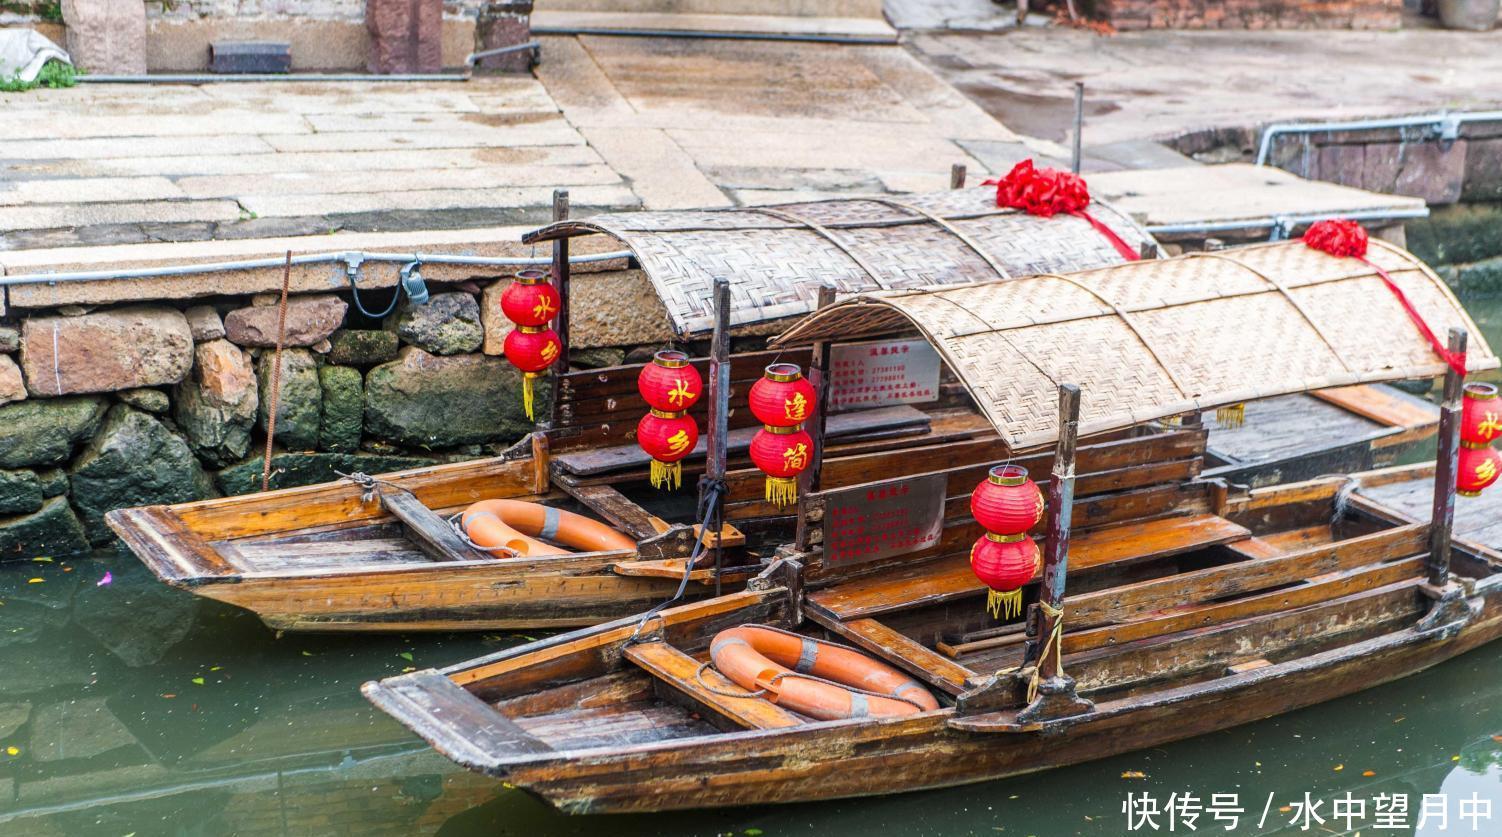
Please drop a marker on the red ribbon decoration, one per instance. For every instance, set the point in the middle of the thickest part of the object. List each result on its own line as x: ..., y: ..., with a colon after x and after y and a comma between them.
x: 1048, y: 192
x: 1340, y: 237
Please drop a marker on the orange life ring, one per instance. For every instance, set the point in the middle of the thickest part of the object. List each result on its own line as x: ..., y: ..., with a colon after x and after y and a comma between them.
x: 514, y: 526
x: 757, y: 657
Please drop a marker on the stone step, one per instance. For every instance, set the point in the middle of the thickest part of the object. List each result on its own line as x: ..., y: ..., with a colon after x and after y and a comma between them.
x: 729, y: 8
x: 568, y: 21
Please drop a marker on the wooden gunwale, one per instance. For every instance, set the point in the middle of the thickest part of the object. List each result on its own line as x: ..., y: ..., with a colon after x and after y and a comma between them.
x: 940, y: 749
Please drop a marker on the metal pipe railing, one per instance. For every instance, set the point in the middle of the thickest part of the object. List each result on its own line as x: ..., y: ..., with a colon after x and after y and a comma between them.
x: 351, y: 259
x: 1446, y: 126
x: 1283, y: 225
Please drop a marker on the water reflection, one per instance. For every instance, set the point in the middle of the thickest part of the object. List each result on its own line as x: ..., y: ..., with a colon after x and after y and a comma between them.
x: 134, y: 708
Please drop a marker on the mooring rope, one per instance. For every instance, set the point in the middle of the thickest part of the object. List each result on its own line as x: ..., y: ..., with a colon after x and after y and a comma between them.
x: 1055, y: 641
x: 713, y: 490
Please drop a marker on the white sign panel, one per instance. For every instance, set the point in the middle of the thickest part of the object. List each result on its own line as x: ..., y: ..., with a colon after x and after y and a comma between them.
x: 882, y: 373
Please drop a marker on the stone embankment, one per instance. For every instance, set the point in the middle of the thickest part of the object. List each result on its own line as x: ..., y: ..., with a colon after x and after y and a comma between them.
x: 163, y: 402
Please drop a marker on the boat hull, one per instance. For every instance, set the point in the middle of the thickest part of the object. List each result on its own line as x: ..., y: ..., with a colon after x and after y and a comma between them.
x: 841, y: 760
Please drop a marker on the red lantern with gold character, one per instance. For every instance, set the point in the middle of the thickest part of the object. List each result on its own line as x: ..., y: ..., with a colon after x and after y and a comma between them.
x: 532, y: 349
x: 667, y: 438
x: 1480, y: 414
x: 530, y: 300
x: 782, y: 453
x: 1480, y: 465
x: 669, y: 383
x: 1007, y: 502
x: 1004, y: 563
x: 782, y: 397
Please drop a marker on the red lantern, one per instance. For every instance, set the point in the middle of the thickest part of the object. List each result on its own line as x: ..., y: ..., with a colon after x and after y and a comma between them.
x: 669, y: 383
x: 1480, y: 414
x: 667, y: 438
x: 529, y: 300
x: 782, y: 397
x: 1480, y: 466
x: 1004, y: 563
x: 532, y: 350
x: 782, y: 453
x: 1007, y: 502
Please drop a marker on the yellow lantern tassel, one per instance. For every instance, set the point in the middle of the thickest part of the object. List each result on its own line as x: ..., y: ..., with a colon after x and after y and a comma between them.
x: 1232, y: 416
x: 782, y: 491
x: 527, y: 398
x: 1004, y: 604
x: 666, y: 475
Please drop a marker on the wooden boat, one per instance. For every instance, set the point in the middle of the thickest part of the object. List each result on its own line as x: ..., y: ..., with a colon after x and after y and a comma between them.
x: 1167, y: 606
x: 380, y: 557
x: 342, y: 557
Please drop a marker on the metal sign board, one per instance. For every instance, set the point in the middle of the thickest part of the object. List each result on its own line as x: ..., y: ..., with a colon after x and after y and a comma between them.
x: 883, y: 521
x: 882, y: 373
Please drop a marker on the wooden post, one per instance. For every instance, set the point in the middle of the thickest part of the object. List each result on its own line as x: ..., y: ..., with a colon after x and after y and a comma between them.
x: 1079, y: 124
x: 719, y: 418
x: 957, y: 176
x: 1056, y: 697
x: 561, y: 282
x: 818, y: 375
x: 1445, y: 467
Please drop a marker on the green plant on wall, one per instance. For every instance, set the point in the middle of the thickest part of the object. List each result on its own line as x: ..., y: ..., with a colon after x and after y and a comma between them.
x: 50, y: 11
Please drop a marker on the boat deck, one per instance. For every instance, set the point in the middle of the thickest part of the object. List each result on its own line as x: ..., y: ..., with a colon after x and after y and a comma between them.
x: 1478, y: 520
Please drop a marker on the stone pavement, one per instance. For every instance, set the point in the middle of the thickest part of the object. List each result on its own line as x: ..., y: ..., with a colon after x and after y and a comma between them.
x: 1159, y: 84
x: 110, y: 164
x: 620, y: 122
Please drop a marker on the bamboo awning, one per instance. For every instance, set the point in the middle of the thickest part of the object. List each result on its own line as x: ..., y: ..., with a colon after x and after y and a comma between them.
x: 776, y: 257
x: 1146, y: 340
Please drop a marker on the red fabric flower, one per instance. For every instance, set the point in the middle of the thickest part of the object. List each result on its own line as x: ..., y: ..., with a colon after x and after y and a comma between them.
x: 1337, y: 237
x: 1044, y: 192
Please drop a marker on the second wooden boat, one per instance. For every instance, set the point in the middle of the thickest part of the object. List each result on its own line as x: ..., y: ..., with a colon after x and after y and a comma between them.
x: 1166, y: 606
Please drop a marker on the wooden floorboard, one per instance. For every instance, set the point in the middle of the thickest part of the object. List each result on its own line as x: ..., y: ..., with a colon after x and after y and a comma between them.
x: 1477, y: 519
x: 950, y: 578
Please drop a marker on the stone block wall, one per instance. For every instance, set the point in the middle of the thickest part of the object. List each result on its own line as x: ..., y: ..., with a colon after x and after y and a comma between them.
x: 169, y: 401
x: 1249, y: 14
x: 1461, y: 180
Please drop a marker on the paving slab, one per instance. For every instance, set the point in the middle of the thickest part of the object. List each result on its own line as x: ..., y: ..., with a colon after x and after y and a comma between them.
x: 103, y: 163
x: 1161, y: 83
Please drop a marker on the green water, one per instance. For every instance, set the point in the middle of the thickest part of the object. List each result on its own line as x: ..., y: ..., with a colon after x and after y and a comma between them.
x: 130, y: 709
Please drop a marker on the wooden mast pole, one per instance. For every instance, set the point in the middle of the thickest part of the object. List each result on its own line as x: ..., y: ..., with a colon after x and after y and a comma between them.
x: 561, y: 283
x: 1445, y: 467
x: 719, y: 421
x: 957, y: 176
x: 818, y: 376
x: 1051, y: 692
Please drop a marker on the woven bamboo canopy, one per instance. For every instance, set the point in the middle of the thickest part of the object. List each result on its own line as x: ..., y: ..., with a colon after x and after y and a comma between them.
x: 776, y: 257
x: 1151, y: 339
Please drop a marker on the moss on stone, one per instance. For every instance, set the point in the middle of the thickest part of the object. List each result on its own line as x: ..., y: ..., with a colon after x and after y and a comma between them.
x: 343, y: 408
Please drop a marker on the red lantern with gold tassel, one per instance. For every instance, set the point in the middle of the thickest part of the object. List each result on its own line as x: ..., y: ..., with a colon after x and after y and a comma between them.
x: 1479, y: 467
x: 531, y: 303
x: 530, y: 300
x: 1005, y: 563
x: 1006, y: 504
x: 782, y: 453
x: 669, y: 383
x: 782, y: 397
x: 1007, y: 501
x: 667, y: 438
x: 1480, y: 414
x: 532, y: 349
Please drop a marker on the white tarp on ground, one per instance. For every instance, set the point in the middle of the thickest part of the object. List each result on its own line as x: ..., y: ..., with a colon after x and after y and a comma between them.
x: 24, y: 51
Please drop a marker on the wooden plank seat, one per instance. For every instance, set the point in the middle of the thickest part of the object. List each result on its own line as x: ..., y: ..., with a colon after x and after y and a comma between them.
x: 950, y: 578
x: 596, y: 461
x: 678, y: 671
